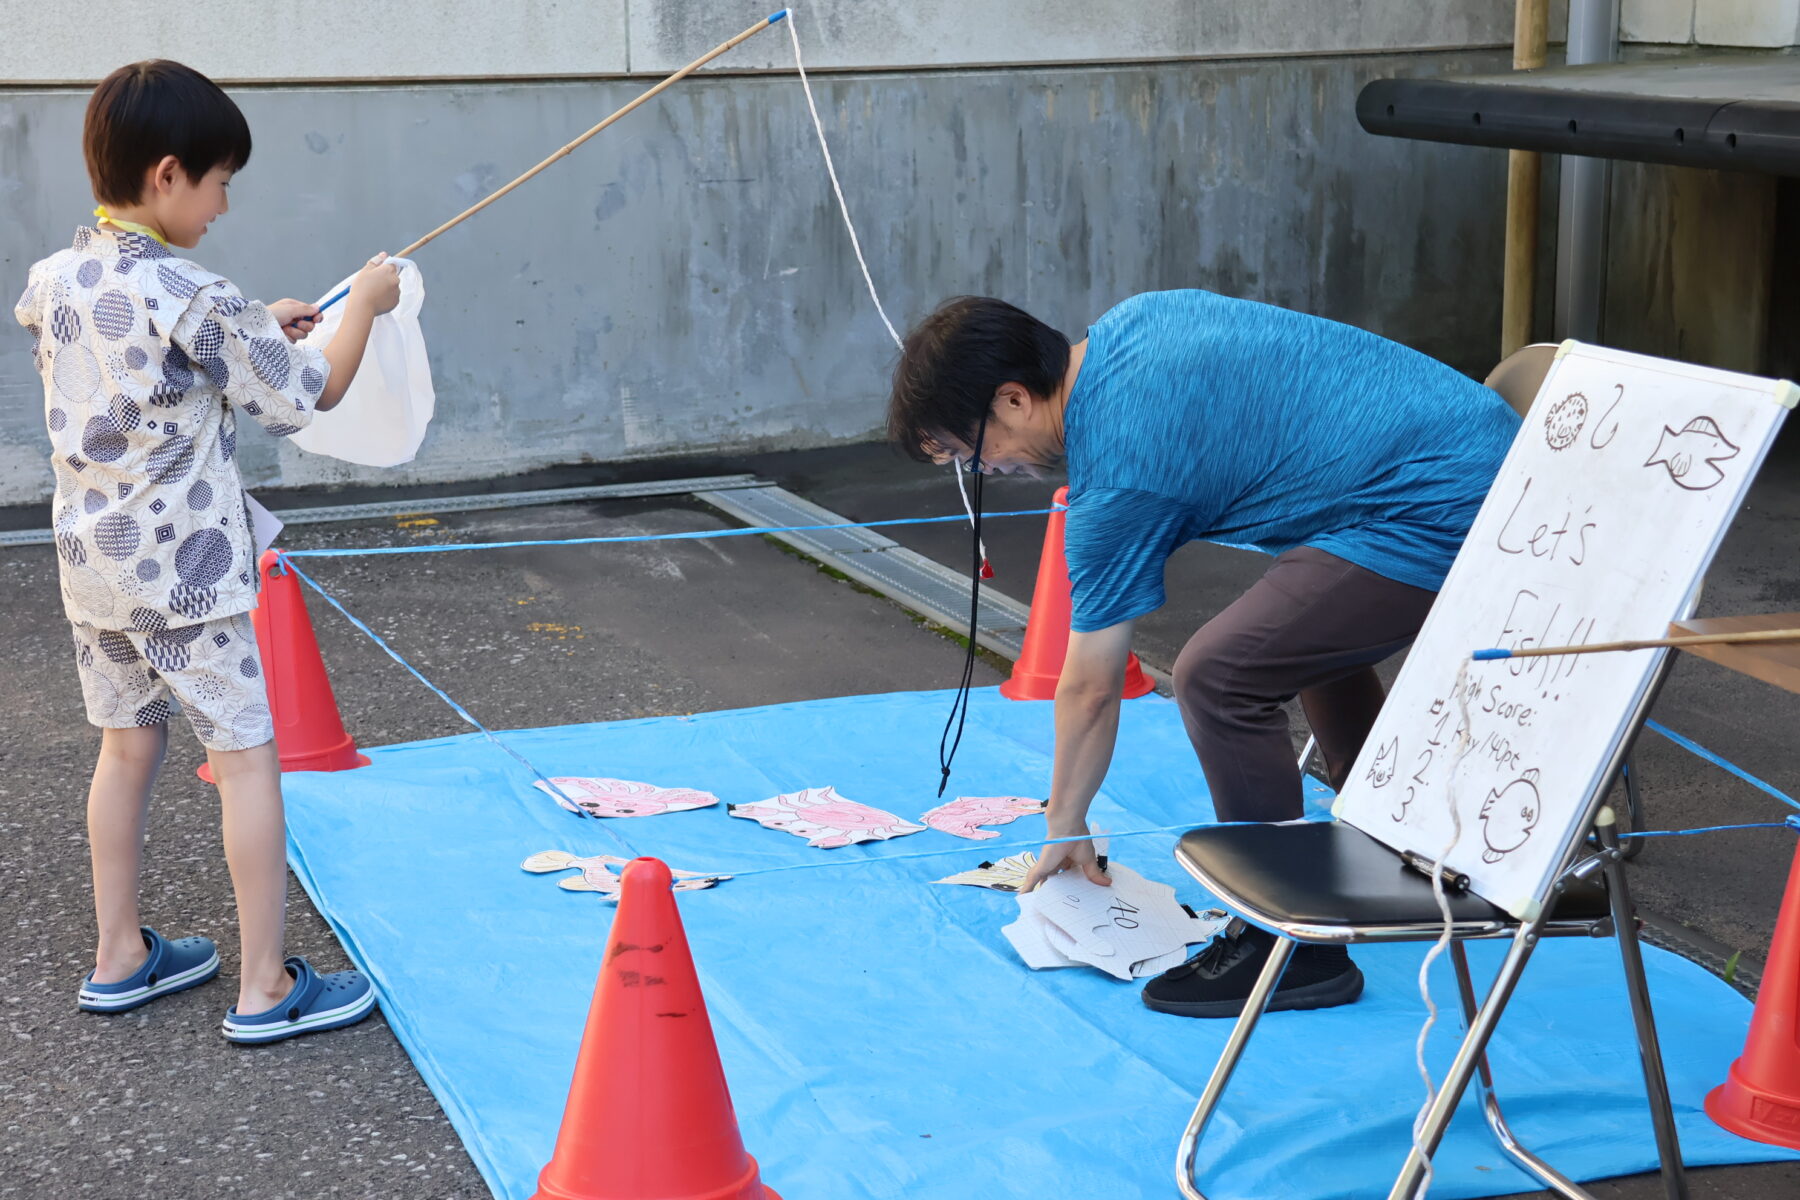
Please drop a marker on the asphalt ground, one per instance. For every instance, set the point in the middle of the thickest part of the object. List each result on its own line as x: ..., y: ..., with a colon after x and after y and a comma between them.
x: 155, y: 1104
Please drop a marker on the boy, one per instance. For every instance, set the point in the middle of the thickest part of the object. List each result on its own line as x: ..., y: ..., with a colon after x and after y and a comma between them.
x: 1358, y: 463
x: 145, y: 356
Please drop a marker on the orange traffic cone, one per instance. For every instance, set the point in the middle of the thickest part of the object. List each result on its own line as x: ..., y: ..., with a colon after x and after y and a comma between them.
x: 1047, y: 636
x: 309, y: 733
x: 1760, y: 1099
x: 649, y: 1116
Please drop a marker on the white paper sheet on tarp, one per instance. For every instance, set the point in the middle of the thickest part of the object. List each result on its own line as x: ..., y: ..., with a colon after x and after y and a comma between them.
x: 1130, y: 930
x: 1608, y: 509
x: 382, y: 418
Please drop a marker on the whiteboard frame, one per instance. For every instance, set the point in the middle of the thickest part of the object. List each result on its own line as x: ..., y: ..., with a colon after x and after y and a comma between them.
x: 1356, y: 800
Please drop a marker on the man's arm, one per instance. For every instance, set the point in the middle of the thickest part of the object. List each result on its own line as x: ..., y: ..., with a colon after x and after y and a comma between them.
x: 1087, y: 725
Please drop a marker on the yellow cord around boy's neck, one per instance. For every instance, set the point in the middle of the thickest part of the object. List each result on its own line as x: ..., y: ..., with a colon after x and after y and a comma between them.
x: 107, y: 218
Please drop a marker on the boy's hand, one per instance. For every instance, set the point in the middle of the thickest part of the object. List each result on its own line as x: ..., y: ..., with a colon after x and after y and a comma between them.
x: 377, y: 285
x: 297, y: 318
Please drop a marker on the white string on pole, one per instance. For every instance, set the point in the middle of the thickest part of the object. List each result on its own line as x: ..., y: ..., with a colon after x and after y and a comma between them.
x: 837, y: 190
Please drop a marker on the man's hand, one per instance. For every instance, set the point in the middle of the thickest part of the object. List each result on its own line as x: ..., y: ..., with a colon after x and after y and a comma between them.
x: 1066, y: 856
x: 296, y: 317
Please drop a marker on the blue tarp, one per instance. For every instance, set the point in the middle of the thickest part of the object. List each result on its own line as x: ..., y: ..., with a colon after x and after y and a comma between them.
x: 880, y: 1036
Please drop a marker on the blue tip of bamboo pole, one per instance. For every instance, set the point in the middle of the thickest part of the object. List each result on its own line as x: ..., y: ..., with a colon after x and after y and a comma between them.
x: 774, y: 17
x: 1490, y: 655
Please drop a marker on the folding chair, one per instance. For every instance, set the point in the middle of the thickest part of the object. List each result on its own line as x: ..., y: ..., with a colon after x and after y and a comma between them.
x: 1334, y: 883
x: 1331, y: 883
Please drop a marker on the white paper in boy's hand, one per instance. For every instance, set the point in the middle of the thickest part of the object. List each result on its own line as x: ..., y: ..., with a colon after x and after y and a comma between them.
x: 265, y: 526
x: 380, y: 421
x: 1134, y: 928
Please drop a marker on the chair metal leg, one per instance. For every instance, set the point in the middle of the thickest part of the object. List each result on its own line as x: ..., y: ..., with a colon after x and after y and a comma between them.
x: 1307, y: 754
x: 1656, y: 1083
x: 1462, y: 1067
x: 1254, y: 1005
x: 1634, y: 809
x: 1548, y: 1175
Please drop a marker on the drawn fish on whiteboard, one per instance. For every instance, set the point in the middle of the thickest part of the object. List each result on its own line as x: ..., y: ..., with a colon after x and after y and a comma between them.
x: 1563, y: 424
x: 1509, y: 815
x: 1692, y: 457
x: 1381, y: 771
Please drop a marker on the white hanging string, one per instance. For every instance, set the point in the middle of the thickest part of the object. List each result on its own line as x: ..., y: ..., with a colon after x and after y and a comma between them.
x: 856, y: 242
x: 1461, y: 742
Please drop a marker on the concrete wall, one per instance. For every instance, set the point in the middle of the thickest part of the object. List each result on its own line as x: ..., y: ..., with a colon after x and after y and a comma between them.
x: 684, y: 281
x: 479, y: 39
x: 1761, y: 24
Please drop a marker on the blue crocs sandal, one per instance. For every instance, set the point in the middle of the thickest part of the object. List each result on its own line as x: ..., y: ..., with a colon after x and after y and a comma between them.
x: 171, y: 967
x: 315, y: 1002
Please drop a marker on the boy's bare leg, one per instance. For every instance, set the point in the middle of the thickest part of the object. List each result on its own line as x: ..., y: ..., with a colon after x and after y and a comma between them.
x: 255, y: 830
x: 117, y: 811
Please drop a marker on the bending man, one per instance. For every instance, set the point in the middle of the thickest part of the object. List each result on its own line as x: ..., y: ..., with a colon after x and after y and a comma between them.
x: 1359, y: 464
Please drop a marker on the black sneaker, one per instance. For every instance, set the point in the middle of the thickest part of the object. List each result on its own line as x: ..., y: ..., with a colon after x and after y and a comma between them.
x: 1217, y: 981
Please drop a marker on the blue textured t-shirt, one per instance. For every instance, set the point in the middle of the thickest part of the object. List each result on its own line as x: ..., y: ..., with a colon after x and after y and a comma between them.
x: 1198, y: 416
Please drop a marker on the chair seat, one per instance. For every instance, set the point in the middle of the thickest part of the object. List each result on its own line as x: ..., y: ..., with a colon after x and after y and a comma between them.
x: 1332, y: 873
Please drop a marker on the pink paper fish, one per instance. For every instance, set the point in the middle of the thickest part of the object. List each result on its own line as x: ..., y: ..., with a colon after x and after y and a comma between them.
x: 824, y: 818
x: 594, y: 797
x: 965, y: 815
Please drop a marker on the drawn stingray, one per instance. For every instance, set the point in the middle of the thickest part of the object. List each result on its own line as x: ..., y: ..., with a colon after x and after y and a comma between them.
x: 1381, y: 771
x: 1700, y: 441
x: 1509, y: 815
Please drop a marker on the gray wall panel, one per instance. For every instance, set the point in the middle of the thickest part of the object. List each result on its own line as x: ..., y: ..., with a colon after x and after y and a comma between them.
x: 683, y: 282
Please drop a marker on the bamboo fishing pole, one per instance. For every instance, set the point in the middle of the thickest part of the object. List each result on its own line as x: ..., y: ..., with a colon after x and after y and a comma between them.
x: 1675, y: 643
x: 677, y: 77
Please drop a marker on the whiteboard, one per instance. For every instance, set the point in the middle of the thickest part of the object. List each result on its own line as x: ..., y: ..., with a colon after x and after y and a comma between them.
x: 1608, y: 509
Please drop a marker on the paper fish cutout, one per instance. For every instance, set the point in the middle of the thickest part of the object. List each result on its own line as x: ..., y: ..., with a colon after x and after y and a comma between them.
x: 1007, y: 875
x: 1130, y: 930
x: 1681, y: 454
x: 601, y: 873
x: 594, y: 797
x: 964, y: 816
x: 1509, y: 815
x: 824, y: 818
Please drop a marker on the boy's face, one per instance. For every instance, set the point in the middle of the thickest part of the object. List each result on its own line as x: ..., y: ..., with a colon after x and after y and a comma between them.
x: 181, y: 207
x: 193, y: 205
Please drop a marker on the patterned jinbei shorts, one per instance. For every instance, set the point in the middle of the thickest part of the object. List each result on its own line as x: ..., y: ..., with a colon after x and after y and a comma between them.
x: 210, y: 671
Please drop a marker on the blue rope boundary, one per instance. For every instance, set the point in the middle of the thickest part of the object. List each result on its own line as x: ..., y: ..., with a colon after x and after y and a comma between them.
x: 688, y: 535
x: 284, y: 563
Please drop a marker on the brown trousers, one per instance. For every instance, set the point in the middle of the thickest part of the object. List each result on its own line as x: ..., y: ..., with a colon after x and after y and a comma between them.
x: 1313, y: 626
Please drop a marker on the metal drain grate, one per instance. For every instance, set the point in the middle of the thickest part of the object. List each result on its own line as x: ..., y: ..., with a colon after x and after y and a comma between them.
x: 928, y: 588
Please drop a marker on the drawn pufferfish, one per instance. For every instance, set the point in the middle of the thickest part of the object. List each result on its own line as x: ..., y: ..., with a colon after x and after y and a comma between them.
x: 1563, y: 423
x: 1509, y: 815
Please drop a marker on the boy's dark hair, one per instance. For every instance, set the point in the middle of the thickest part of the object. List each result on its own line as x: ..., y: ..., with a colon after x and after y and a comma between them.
x: 147, y: 110
x: 956, y: 359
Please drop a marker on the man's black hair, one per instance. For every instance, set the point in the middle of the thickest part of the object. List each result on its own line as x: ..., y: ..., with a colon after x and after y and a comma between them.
x: 956, y: 359
x: 147, y: 110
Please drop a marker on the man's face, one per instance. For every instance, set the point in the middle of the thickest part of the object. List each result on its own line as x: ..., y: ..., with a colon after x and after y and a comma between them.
x: 1021, y: 437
